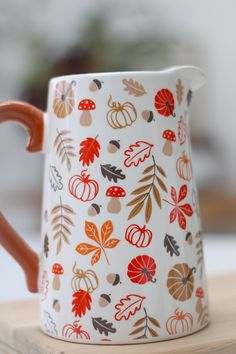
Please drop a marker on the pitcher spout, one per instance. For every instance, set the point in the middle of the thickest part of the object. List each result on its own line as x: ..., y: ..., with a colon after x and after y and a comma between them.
x: 194, y: 75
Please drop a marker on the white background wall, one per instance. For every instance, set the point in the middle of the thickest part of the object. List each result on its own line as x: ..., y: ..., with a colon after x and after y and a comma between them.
x: 198, y: 32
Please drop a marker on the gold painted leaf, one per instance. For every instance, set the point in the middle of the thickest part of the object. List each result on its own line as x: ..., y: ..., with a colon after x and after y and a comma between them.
x: 154, y: 321
x: 59, y: 246
x: 161, y: 171
x: 161, y: 184
x: 137, y: 330
x: 136, y: 210
x: 141, y: 337
x: 141, y: 189
x: 148, y: 209
x: 137, y: 199
x: 148, y: 169
x: 146, y: 178
x: 133, y: 87
x: 139, y: 322
x: 152, y: 332
x: 67, y: 208
x: 156, y: 195
x: 179, y: 91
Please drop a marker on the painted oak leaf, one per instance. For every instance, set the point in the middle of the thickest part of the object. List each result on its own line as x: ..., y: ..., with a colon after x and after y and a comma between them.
x: 90, y: 148
x: 81, y: 302
x: 137, y: 153
x: 128, y: 306
x: 180, y: 211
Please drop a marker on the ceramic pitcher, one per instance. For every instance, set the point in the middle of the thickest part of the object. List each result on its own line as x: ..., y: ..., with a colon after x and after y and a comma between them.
x: 121, y: 258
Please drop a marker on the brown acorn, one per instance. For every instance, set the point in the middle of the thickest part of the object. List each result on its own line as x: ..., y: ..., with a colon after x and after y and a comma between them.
x: 189, y: 238
x: 104, y: 300
x: 113, y: 146
x: 113, y: 279
x: 95, y: 85
x: 148, y: 116
x: 56, y: 305
x: 94, y: 209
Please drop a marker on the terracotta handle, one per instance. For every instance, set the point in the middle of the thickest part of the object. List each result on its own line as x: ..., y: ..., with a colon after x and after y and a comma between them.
x: 33, y: 119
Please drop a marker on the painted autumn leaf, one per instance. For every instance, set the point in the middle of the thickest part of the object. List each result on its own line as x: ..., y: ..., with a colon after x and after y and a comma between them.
x: 128, y: 306
x: 64, y: 147
x: 180, y: 210
x: 134, y: 87
x: 146, y: 328
x: 149, y: 192
x: 90, y: 148
x: 81, y: 302
x: 137, y: 153
x: 102, y: 240
x: 103, y: 326
x: 55, y: 178
x: 112, y: 173
x: 171, y: 245
x: 179, y: 91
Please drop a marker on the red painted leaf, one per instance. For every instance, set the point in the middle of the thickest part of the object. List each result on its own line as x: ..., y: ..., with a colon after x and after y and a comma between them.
x: 90, y: 149
x: 182, y: 220
x: 128, y: 306
x: 137, y: 153
x: 173, y: 215
x: 81, y: 302
x: 182, y: 193
x: 174, y: 195
x: 186, y: 209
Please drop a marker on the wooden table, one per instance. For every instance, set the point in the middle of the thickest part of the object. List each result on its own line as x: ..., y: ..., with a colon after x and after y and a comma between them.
x: 20, y: 333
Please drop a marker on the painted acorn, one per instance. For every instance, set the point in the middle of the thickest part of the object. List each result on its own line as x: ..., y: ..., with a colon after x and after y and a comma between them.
x: 189, y: 238
x: 95, y: 85
x: 148, y: 116
x: 56, y: 305
x: 94, y: 209
x: 104, y: 300
x: 113, y: 279
x: 113, y: 146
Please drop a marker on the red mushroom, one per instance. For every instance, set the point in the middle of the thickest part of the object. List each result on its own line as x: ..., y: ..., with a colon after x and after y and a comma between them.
x: 115, y: 193
x: 86, y: 106
x: 170, y: 137
x: 200, y: 293
x: 57, y: 270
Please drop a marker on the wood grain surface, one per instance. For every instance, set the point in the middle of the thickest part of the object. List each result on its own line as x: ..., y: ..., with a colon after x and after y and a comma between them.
x: 20, y: 333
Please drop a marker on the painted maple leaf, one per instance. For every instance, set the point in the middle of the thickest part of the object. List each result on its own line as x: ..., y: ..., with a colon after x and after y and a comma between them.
x: 180, y: 210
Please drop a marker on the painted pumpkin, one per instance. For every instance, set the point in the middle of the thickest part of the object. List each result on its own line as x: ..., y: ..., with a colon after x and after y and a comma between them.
x: 179, y: 323
x: 180, y: 281
x: 184, y: 168
x: 182, y: 130
x: 142, y: 269
x: 120, y: 115
x: 81, y: 280
x: 165, y: 103
x: 63, y: 102
x: 82, y: 187
x: 138, y: 236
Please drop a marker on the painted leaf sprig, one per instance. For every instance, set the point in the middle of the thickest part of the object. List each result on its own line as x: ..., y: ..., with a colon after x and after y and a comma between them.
x: 133, y: 87
x: 149, y: 192
x: 145, y: 325
x: 102, y: 241
x: 179, y: 91
x: 90, y: 148
x: 64, y: 147
x: 61, y: 223
x: 171, y: 245
x: 199, y: 252
x: 180, y: 210
x: 112, y: 173
x: 103, y: 326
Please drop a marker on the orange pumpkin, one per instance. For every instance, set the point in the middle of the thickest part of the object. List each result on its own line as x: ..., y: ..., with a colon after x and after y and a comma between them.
x: 180, y: 281
x: 82, y: 187
x: 179, y: 323
x: 63, y: 102
x: 184, y: 167
x: 120, y: 115
x: 138, y: 236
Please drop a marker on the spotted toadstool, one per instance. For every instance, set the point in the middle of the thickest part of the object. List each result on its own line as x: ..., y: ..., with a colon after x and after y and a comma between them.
x: 170, y: 137
x: 86, y: 106
x: 57, y: 270
x: 115, y: 193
